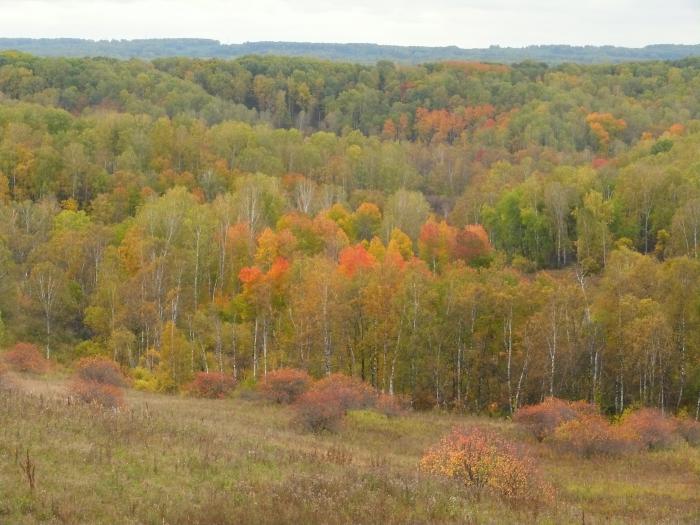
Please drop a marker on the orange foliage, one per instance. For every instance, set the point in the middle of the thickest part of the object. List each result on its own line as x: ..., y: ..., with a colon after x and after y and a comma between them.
x: 482, y: 460
x: 285, y: 385
x: 604, y: 126
x: 94, y: 393
x: 99, y: 370
x: 354, y: 258
x: 591, y: 434
x: 677, y: 130
x: 544, y: 418
x: 26, y: 357
x: 250, y: 274
x: 472, y: 243
x: 211, y: 385
x: 650, y: 427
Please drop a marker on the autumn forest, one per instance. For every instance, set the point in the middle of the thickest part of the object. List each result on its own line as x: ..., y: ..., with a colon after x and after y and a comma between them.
x: 463, y: 235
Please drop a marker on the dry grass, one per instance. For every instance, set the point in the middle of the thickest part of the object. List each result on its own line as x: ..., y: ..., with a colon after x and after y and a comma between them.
x: 189, y: 461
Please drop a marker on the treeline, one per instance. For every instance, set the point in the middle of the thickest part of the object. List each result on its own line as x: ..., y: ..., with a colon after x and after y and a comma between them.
x: 362, y: 53
x: 484, y: 238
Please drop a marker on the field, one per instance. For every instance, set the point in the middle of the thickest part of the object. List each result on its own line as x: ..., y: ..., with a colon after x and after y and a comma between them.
x: 176, y: 460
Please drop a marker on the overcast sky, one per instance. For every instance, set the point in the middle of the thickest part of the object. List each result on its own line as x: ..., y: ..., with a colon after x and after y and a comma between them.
x: 465, y: 23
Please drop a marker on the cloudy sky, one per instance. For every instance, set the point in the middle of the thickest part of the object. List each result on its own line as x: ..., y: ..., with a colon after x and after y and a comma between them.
x: 465, y: 23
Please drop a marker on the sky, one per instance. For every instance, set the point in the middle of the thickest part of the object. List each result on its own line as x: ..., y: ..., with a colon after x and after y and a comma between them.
x: 464, y: 23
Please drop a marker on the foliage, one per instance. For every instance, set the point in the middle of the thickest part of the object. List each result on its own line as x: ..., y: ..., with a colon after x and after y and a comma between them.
x: 689, y: 430
x: 26, y: 357
x: 285, y: 385
x: 650, y: 428
x: 592, y: 435
x: 542, y: 420
x: 103, y: 395
x: 99, y: 370
x: 482, y: 460
x: 211, y: 385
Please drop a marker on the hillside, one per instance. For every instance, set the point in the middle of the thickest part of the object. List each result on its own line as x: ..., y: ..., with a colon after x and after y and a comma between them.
x: 351, y: 52
x: 172, y: 460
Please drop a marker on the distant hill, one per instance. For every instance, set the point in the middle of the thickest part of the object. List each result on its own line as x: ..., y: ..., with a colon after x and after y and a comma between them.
x: 364, y: 53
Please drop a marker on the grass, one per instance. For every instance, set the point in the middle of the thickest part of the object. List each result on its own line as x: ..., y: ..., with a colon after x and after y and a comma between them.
x: 177, y: 460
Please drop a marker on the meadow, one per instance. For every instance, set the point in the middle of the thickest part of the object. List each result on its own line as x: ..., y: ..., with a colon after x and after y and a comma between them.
x: 179, y: 460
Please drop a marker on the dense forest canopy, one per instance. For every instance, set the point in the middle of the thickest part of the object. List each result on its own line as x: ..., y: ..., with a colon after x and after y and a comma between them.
x: 362, y: 53
x: 466, y: 234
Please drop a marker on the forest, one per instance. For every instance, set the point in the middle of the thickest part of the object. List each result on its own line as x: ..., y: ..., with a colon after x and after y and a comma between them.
x: 149, y: 48
x: 465, y: 235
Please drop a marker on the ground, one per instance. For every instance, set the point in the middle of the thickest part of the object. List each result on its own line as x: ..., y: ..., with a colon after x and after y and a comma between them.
x: 176, y: 460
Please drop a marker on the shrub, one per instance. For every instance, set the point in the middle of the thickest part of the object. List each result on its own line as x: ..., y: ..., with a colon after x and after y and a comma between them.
x: 650, y: 427
x: 26, y: 357
x: 482, y: 460
x: 285, y: 385
x: 100, y: 394
x: 211, y: 385
x: 689, y: 430
x: 325, y: 404
x: 348, y: 392
x: 319, y: 410
x: 144, y: 379
x: 543, y: 419
x: 390, y: 406
x: 591, y: 435
x: 100, y: 370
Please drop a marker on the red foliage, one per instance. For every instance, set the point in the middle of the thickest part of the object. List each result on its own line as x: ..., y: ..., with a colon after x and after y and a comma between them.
x: 318, y: 410
x: 323, y: 407
x: 650, y: 427
x: 100, y: 370
x: 285, y: 385
x: 472, y: 243
x: 483, y: 460
x: 354, y: 258
x: 689, y: 430
x: 211, y: 385
x: 103, y: 395
x: 390, y: 406
x: 591, y: 435
x: 543, y: 419
x: 250, y: 274
x: 26, y: 357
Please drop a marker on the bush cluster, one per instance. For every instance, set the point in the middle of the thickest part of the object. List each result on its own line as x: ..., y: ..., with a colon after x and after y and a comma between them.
x: 26, y: 357
x: 285, y: 385
x: 211, y: 385
x: 483, y: 460
x: 579, y: 428
x: 98, y: 381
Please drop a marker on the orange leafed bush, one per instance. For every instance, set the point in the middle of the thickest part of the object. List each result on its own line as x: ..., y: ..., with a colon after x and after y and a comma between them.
x: 100, y: 394
x: 100, y: 370
x: 592, y: 435
x: 689, y: 430
x: 325, y: 404
x: 543, y: 419
x: 483, y: 460
x: 211, y: 385
x: 390, y: 406
x: 26, y: 357
x: 285, y: 385
x: 652, y: 429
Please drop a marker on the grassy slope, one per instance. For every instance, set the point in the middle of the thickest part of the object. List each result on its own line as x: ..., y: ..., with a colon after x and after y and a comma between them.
x: 174, y: 460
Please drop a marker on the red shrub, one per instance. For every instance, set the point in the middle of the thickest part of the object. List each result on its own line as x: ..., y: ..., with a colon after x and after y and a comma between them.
x: 323, y: 407
x: 689, y: 430
x: 285, y: 385
x: 211, y: 385
x: 100, y: 394
x: 348, y: 392
x: 390, y: 406
x: 543, y: 419
x: 482, y: 460
x: 651, y: 428
x: 26, y: 357
x: 319, y: 410
x: 592, y: 435
x: 100, y: 370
